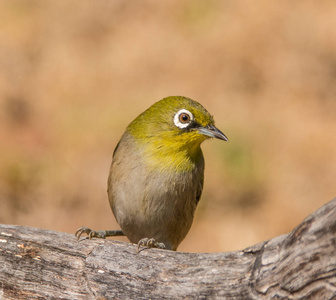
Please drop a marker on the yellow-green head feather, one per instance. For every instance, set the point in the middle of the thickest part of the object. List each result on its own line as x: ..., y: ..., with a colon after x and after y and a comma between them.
x: 169, y: 140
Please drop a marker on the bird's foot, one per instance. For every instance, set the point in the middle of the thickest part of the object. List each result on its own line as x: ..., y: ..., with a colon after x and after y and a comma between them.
x: 101, y: 234
x: 150, y: 243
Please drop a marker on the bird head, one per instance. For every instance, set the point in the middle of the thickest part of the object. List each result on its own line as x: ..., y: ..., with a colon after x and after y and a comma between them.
x: 174, y: 125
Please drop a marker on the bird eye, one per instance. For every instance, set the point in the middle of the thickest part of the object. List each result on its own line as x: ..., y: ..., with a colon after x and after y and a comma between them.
x: 183, y: 118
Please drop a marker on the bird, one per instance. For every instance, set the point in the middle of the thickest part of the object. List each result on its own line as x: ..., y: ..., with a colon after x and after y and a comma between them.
x: 157, y: 173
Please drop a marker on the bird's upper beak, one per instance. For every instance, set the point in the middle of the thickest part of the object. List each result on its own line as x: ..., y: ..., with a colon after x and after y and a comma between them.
x: 213, y: 132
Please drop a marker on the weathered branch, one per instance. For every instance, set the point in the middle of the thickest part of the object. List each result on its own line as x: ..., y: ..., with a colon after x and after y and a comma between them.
x: 44, y: 264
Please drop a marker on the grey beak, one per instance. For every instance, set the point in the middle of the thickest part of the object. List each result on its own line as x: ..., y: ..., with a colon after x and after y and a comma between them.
x: 213, y: 132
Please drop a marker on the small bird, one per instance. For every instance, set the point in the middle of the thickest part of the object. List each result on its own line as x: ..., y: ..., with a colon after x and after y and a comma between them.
x: 157, y: 173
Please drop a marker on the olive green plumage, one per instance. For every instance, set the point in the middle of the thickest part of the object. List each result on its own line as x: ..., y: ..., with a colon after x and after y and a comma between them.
x: 157, y: 173
x: 169, y: 147
x: 156, y: 176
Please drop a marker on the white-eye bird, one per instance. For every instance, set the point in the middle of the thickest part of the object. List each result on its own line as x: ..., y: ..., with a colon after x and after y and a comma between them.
x: 157, y: 173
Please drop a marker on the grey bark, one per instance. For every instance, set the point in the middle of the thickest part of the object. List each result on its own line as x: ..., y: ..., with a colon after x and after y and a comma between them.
x: 45, y: 264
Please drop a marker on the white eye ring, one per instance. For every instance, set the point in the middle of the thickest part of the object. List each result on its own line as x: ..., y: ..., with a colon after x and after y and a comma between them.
x: 180, y: 123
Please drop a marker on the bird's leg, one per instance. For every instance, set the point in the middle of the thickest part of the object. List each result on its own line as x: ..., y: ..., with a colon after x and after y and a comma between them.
x: 151, y: 243
x: 101, y: 234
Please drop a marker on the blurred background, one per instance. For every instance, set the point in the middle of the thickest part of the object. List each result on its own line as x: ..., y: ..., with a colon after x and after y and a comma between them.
x: 73, y: 76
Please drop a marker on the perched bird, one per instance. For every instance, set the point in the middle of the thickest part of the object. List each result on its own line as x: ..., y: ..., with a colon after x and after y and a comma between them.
x: 157, y: 173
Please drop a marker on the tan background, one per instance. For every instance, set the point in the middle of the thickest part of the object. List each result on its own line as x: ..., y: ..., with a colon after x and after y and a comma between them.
x: 74, y: 74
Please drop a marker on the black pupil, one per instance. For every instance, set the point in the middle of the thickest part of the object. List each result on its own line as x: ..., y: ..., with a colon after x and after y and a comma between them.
x: 184, y: 118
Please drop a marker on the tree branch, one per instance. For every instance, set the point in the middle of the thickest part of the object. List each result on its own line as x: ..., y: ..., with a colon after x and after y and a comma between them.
x: 45, y: 264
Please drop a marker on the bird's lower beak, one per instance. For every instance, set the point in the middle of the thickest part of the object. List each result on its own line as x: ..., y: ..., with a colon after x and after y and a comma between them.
x: 213, y: 132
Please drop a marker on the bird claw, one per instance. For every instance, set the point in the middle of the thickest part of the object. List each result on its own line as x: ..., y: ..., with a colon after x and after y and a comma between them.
x: 101, y: 234
x: 150, y: 243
